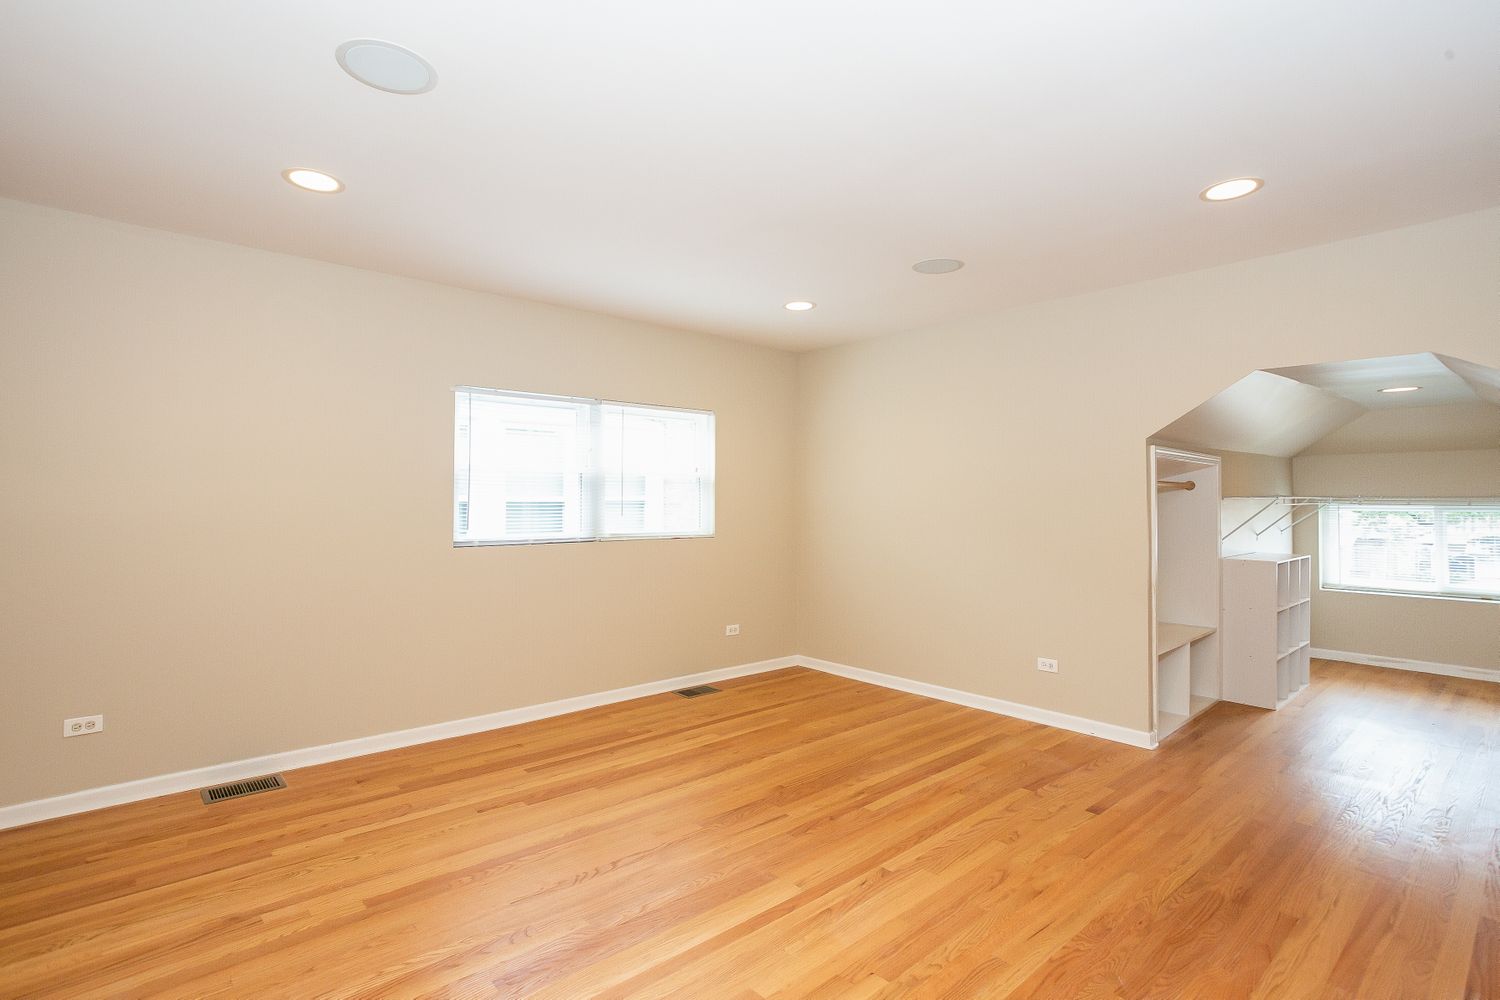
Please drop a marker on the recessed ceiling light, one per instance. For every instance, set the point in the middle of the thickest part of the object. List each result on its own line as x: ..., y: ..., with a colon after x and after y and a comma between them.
x: 801, y: 307
x: 1402, y: 388
x: 386, y: 67
x: 937, y: 265
x: 1230, y: 190
x: 313, y: 180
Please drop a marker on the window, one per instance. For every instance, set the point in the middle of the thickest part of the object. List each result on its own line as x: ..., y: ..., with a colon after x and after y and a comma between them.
x: 1428, y: 549
x: 530, y: 468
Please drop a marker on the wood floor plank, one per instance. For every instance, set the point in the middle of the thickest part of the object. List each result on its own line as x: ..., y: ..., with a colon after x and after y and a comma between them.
x: 801, y: 835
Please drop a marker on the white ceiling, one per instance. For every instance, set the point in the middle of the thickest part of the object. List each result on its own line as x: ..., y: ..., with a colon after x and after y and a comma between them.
x: 700, y: 163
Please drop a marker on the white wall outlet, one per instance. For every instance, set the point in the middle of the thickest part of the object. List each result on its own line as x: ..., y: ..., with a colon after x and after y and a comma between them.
x: 83, y: 725
x: 1046, y: 664
x: 731, y: 630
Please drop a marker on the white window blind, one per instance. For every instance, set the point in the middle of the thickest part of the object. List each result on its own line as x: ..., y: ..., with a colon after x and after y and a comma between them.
x: 1423, y: 548
x: 529, y: 468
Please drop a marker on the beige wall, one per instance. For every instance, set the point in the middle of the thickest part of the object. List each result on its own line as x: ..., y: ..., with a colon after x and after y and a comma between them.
x: 226, y: 506
x: 973, y: 496
x: 227, y: 488
x: 1247, y: 475
x: 1462, y: 633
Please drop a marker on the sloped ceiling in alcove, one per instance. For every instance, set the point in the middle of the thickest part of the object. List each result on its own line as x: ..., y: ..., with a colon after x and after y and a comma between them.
x: 1265, y: 414
x: 1337, y: 407
x: 1361, y: 381
x: 1484, y: 381
x: 1450, y: 427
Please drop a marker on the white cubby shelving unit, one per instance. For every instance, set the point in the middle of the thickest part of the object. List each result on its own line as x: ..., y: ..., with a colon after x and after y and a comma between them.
x: 1186, y: 674
x: 1267, y: 621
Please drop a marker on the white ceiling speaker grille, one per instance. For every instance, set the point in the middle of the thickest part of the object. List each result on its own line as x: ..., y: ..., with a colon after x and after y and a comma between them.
x: 937, y: 265
x: 387, y: 67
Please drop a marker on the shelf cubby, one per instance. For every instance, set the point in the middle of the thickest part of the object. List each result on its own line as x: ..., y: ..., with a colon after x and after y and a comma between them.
x: 1266, y: 627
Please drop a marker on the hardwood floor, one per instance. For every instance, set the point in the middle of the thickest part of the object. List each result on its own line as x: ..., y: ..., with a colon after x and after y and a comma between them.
x: 801, y: 835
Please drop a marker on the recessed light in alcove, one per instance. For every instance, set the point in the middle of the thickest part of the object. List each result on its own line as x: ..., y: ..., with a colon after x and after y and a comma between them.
x: 313, y: 180
x: 1229, y: 190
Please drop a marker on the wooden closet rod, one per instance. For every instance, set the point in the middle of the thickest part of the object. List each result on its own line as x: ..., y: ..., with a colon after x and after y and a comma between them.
x: 1163, y: 486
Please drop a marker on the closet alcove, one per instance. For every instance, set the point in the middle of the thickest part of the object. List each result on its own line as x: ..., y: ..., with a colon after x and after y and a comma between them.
x: 1187, y: 675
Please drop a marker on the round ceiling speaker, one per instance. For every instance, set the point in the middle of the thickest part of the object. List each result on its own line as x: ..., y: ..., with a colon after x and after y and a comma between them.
x: 386, y: 67
x: 937, y: 265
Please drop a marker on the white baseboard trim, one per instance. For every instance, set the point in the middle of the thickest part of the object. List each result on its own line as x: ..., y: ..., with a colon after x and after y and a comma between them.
x: 999, y: 706
x: 89, y: 799
x: 1420, y: 666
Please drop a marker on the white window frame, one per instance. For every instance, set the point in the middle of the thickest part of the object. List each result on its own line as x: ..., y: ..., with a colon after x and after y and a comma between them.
x: 1329, y: 558
x: 592, y: 527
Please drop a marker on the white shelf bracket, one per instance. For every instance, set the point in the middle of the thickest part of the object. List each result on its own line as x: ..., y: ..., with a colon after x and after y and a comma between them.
x: 1304, y: 517
x: 1252, y: 517
x: 1289, y: 511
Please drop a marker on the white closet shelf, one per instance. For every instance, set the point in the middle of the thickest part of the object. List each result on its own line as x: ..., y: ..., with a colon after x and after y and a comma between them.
x: 1170, y: 635
x: 1168, y: 723
x: 1274, y: 557
x: 1169, y: 464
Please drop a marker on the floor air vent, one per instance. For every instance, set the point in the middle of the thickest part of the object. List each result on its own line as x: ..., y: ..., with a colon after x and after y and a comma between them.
x: 700, y: 690
x: 239, y: 789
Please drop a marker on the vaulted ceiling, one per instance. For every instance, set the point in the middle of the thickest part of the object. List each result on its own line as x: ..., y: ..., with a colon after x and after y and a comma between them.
x: 1338, y: 407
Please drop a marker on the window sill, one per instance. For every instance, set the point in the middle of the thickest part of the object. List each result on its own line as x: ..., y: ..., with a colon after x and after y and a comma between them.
x: 1464, y: 598
x: 574, y: 541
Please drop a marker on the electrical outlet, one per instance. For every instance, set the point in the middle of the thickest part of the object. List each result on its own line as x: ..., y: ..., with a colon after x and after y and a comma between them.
x: 83, y: 725
x: 1046, y: 664
x: 731, y: 630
